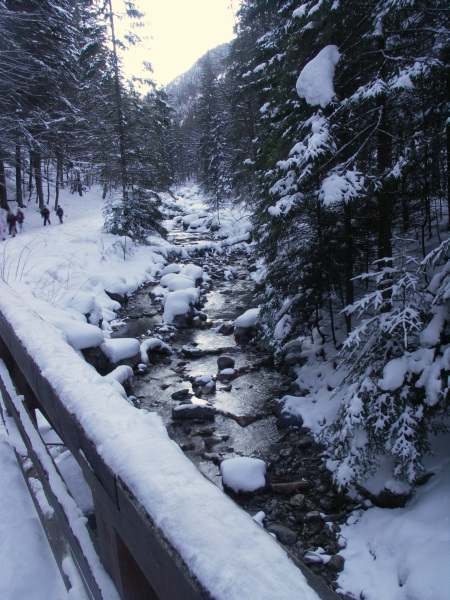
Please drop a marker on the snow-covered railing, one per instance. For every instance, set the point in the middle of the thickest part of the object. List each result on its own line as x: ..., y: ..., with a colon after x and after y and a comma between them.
x: 164, y: 530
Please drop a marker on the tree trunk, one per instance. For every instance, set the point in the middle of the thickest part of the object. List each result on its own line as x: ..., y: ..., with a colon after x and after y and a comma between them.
x: 384, y: 192
x: 118, y: 95
x: 348, y: 258
x: 3, y: 193
x: 59, y: 175
x: 19, y: 196
x: 36, y: 168
x: 448, y: 168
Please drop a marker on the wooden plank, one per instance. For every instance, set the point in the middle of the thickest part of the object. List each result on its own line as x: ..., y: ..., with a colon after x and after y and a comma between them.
x: 23, y: 423
x: 126, y: 530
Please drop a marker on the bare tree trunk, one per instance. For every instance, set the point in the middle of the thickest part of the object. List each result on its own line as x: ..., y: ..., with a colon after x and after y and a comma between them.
x: 3, y: 193
x: 119, y: 108
x: 349, y: 259
x: 36, y: 168
x: 58, y: 177
x: 19, y: 196
x: 384, y: 193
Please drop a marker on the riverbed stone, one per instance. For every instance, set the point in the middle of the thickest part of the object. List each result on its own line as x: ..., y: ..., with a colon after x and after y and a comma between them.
x: 225, y: 362
x: 297, y: 501
x: 336, y: 563
x: 212, y: 441
x: 181, y: 394
x: 386, y: 498
x: 306, y: 441
x: 225, y: 329
x: 286, y: 420
x: 283, y: 534
x: 313, y: 516
x: 192, y: 352
x: 287, y: 487
x: 186, y: 412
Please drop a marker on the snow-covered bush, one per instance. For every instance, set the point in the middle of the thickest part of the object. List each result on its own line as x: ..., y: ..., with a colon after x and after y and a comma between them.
x: 397, y: 389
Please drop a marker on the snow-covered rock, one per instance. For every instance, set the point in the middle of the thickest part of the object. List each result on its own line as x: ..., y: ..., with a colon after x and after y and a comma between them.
x: 243, y: 474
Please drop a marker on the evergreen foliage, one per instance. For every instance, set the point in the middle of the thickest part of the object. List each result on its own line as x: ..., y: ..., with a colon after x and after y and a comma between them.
x: 138, y: 218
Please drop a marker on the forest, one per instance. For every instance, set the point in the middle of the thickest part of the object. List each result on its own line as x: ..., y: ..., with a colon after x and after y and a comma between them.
x: 328, y: 122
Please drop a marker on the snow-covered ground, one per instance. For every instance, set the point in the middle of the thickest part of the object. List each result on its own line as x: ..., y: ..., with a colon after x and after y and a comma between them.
x: 61, y: 272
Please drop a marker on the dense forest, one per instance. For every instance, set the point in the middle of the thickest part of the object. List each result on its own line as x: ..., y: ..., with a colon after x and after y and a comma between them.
x: 328, y: 121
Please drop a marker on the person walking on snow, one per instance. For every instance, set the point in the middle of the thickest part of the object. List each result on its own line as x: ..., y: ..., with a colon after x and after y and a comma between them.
x: 60, y: 213
x: 11, y: 220
x: 45, y: 213
x: 20, y: 218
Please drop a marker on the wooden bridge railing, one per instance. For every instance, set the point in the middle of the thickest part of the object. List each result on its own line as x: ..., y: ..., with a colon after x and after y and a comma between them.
x: 141, y: 562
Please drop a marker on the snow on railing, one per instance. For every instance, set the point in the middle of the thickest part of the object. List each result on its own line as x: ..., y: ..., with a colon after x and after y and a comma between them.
x: 162, y: 525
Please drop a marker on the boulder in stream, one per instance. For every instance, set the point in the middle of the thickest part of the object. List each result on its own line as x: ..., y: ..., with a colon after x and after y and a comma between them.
x: 185, y: 412
x: 225, y: 362
x: 243, y: 474
x: 246, y: 324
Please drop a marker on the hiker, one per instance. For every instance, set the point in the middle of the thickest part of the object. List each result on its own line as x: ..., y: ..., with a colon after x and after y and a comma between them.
x: 20, y: 218
x: 60, y: 213
x: 11, y: 220
x: 2, y: 227
x: 45, y: 213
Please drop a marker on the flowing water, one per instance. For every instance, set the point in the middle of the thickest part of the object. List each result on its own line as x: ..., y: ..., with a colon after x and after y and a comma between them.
x: 244, y: 424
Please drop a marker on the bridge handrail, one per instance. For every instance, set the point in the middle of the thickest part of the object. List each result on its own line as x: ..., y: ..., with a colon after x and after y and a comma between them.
x: 157, y: 537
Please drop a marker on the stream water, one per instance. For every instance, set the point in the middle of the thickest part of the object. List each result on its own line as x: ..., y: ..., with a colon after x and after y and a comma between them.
x: 247, y: 398
x: 300, y: 505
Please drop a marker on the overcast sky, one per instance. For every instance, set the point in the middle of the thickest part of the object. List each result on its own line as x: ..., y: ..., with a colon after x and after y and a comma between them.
x: 179, y: 32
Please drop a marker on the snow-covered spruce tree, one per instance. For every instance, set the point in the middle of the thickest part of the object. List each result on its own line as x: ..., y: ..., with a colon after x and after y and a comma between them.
x: 39, y: 82
x: 137, y: 218
x: 310, y: 182
x: 244, y: 80
x: 211, y: 146
x: 396, y: 394
x: 326, y: 211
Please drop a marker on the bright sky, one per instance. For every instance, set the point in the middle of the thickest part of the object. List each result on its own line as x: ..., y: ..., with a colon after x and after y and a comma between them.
x: 179, y: 32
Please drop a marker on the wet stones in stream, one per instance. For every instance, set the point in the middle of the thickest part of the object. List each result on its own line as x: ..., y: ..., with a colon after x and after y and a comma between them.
x: 300, y: 505
x: 209, y: 400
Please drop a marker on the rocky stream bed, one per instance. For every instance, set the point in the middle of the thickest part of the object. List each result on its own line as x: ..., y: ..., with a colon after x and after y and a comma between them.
x: 235, y: 414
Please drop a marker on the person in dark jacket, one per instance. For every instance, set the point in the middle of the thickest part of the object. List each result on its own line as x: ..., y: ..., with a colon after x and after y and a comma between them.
x: 11, y: 220
x: 60, y: 213
x: 20, y: 218
x: 45, y: 213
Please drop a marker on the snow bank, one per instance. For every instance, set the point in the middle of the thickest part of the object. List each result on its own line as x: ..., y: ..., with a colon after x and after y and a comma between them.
x: 179, y: 302
x: 175, y: 281
x: 401, y: 554
x: 118, y: 349
x: 153, y: 344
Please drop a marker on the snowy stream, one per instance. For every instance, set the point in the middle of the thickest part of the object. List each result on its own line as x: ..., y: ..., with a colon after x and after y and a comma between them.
x: 247, y: 396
